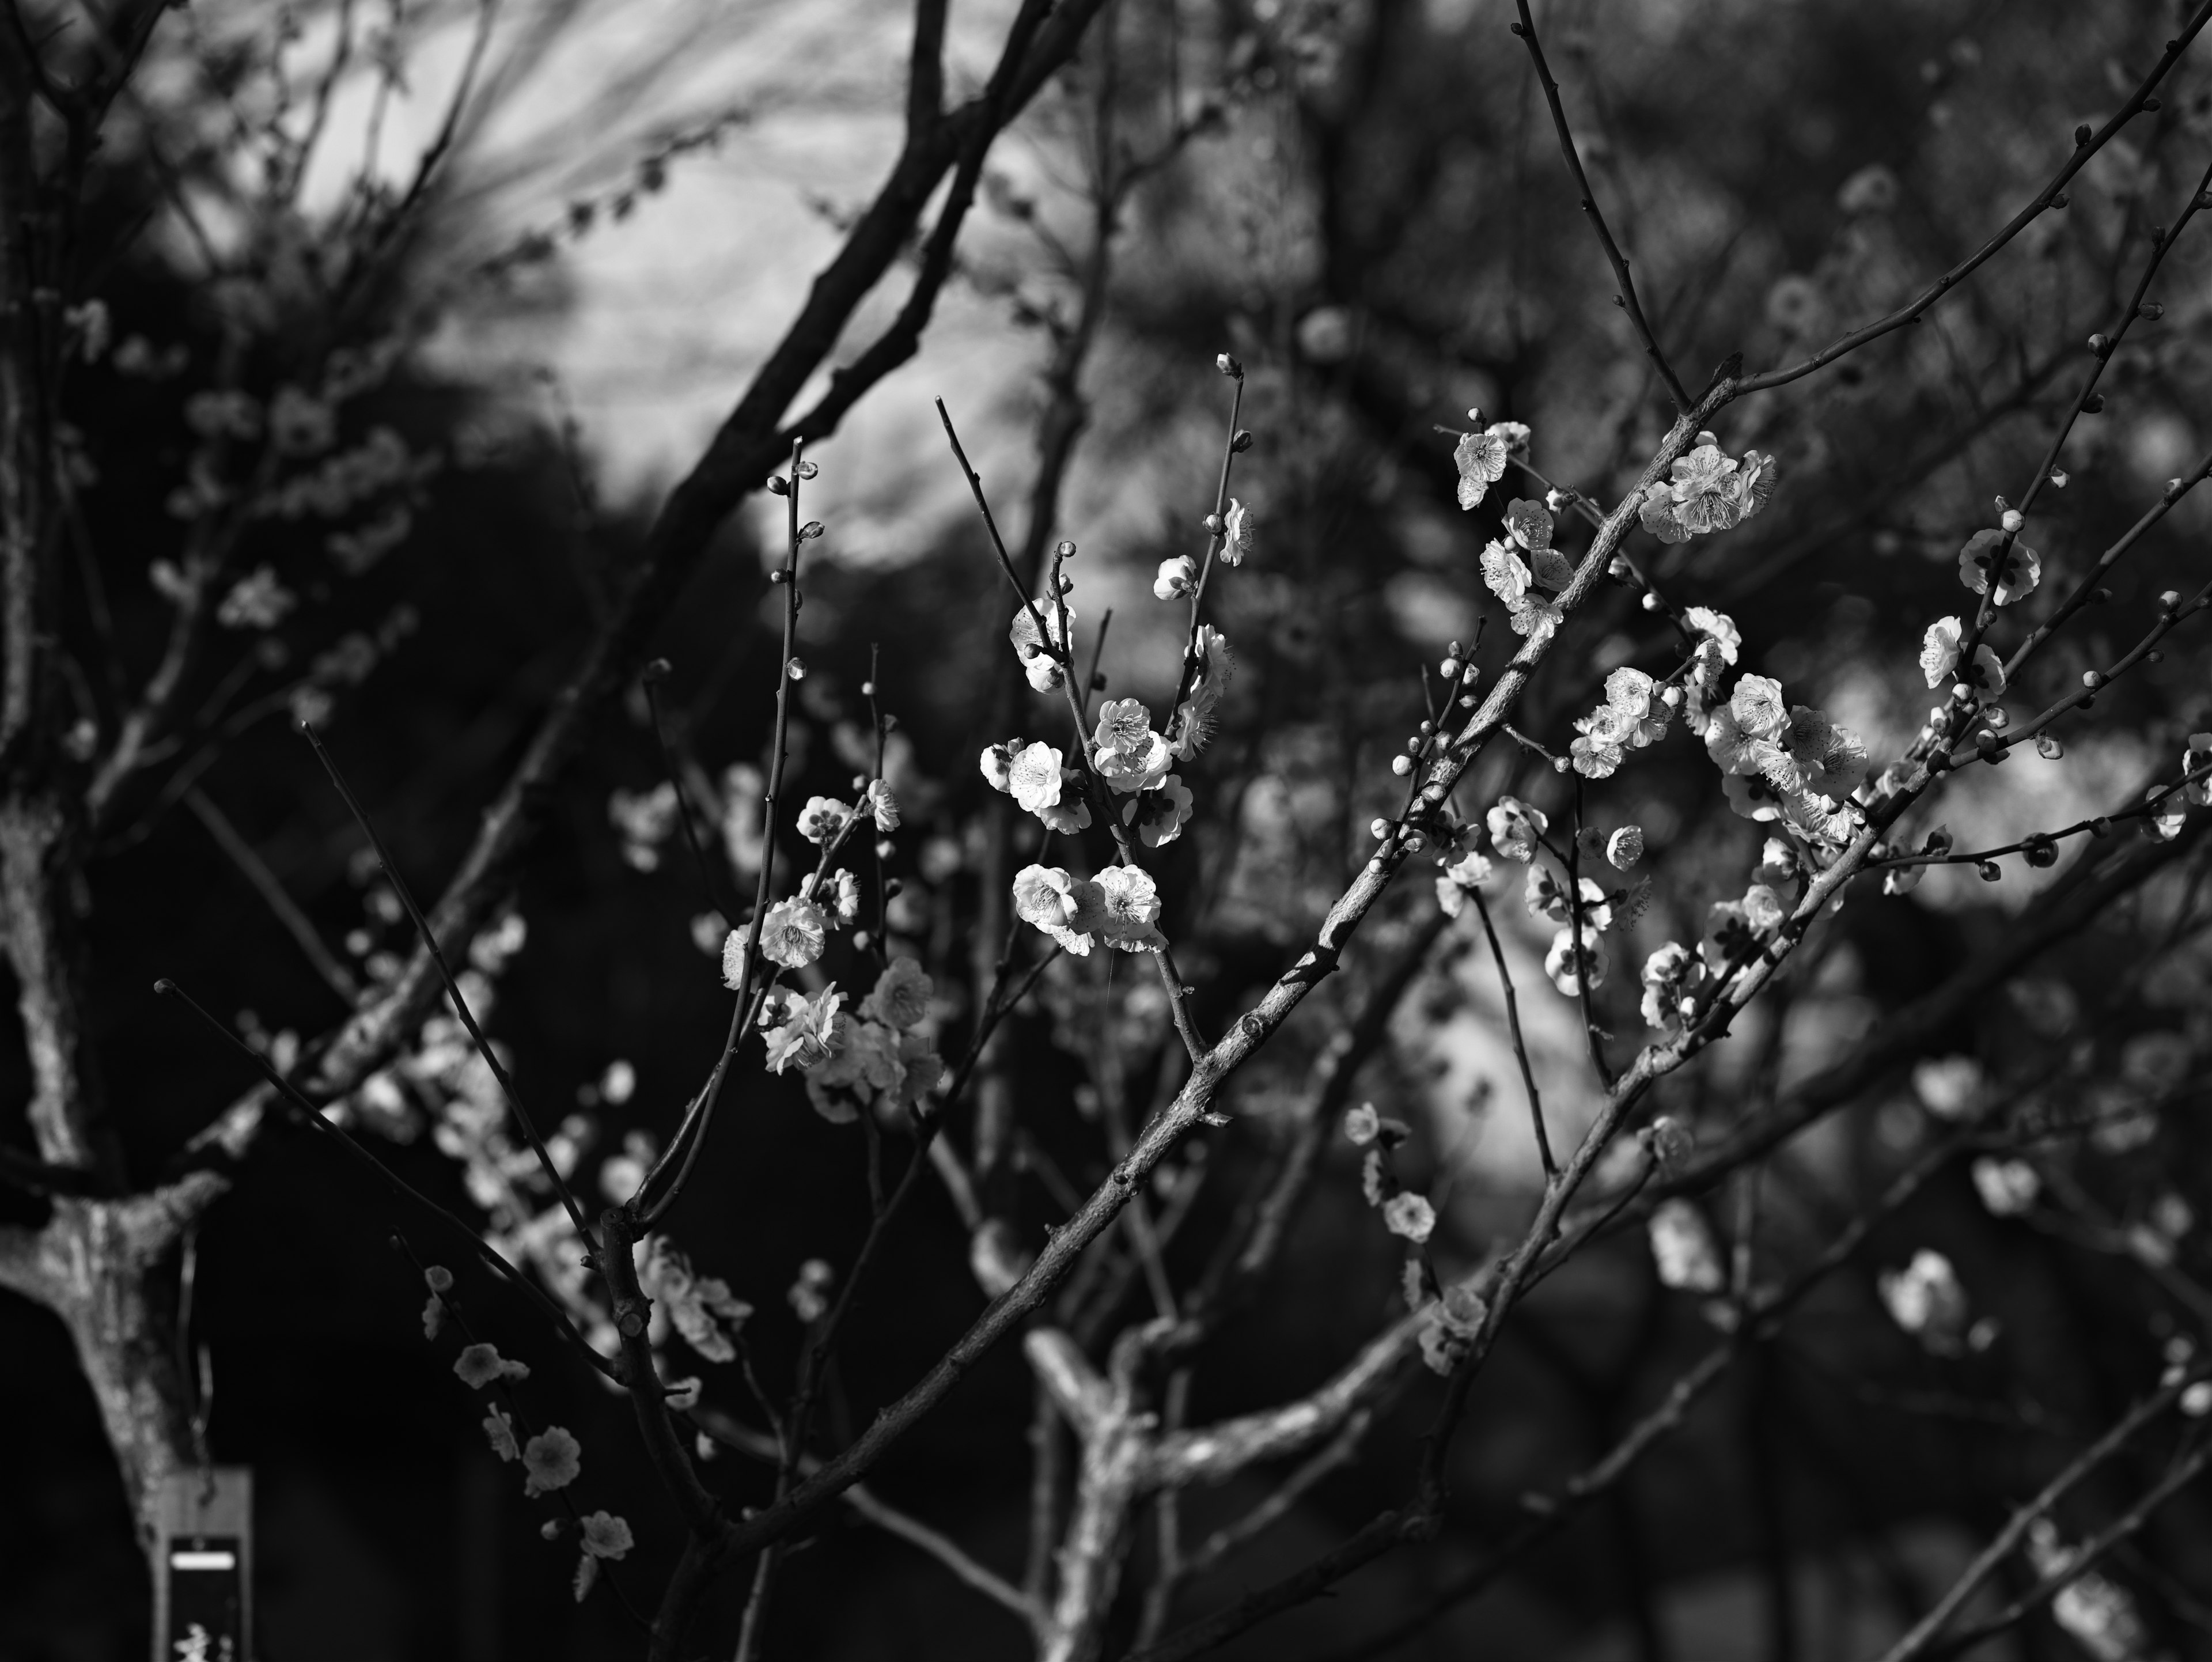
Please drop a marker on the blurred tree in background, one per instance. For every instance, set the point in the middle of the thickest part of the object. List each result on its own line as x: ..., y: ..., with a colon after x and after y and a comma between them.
x: 335, y: 393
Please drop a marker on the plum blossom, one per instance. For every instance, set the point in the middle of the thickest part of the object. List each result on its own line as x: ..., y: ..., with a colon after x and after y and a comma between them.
x: 1160, y: 814
x: 1824, y: 759
x: 997, y: 763
x: 2017, y: 569
x: 1939, y: 650
x: 800, y: 1031
x: 1625, y: 847
x: 1213, y: 666
x: 2006, y: 1187
x: 1903, y: 880
x: 1034, y: 775
x: 1669, y: 974
x: 1362, y: 1125
x: 902, y: 995
x: 478, y: 1365
x: 1177, y: 577
x: 1130, y: 756
x: 1926, y: 1300
x: 2197, y: 769
x: 1130, y: 908
x: 1411, y: 1216
x: 1716, y: 627
x: 1529, y: 523
x: 1703, y: 493
x: 1545, y: 899
x: 879, y: 805
x: 822, y: 819
x: 1986, y: 673
x: 1040, y: 662
x: 1480, y: 458
x: 1568, y: 965
x: 1236, y: 533
x: 552, y: 1458
x: 605, y: 1535
x: 792, y: 935
x: 702, y: 1307
x: 1515, y: 827
x: 499, y: 1432
x: 1460, y: 879
x: 1743, y: 734
x: 1683, y: 1248
x: 1066, y: 908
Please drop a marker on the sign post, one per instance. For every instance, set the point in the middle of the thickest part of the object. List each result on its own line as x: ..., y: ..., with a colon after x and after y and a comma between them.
x: 203, y: 1566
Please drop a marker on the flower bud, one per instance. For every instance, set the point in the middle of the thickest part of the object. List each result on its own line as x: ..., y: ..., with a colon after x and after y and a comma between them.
x: 1671, y: 696
x: 2150, y: 311
x: 1063, y: 551
x: 1401, y: 765
x: 2012, y: 522
x: 1228, y: 367
x: 810, y: 531
x: 796, y: 669
x: 779, y: 484
x: 2048, y: 747
x: 1651, y: 602
x: 1990, y: 871
x: 1242, y: 442
x: 1449, y: 669
x: 2058, y: 478
x: 2170, y: 600
x: 2093, y: 405
x: 1379, y: 829
x: 1212, y: 524
x: 2100, y: 344
x: 2081, y: 133
x: 2093, y: 678
x: 2042, y: 852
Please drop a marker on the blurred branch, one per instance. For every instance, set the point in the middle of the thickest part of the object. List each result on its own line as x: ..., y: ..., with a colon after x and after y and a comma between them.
x: 1526, y: 29
x: 255, y: 870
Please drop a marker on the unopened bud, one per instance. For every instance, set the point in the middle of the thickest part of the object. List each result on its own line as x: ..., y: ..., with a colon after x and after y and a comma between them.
x: 2093, y: 678
x: 1212, y: 524
x: 1401, y: 765
x: 1228, y: 367
x: 796, y: 669
x: 1671, y: 696
x: 2100, y: 344
x: 2150, y: 311
x: 2170, y: 600
x: 779, y: 484
x: 1651, y: 602
x: 2012, y: 520
x: 1063, y: 551
x: 2093, y: 405
x: 1242, y: 442
x: 2081, y: 133
x: 1379, y: 829
x: 2048, y: 747
x: 810, y: 531
x: 1990, y: 871
x: 1449, y: 669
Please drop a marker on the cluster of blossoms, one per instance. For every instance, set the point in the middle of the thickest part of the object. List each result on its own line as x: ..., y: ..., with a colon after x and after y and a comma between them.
x: 875, y: 1056
x: 1674, y: 975
x: 1453, y: 1319
x: 793, y: 932
x: 551, y: 1459
x: 1709, y: 492
x: 1120, y: 906
x: 1481, y: 457
x: 1525, y: 572
x: 1516, y: 832
x: 1782, y: 761
x: 1634, y: 714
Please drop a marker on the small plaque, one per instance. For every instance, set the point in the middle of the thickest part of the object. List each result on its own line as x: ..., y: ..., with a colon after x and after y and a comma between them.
x: 203, y: 1566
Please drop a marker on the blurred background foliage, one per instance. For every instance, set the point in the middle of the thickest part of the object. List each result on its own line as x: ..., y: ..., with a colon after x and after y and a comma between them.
x: 1366, y: 203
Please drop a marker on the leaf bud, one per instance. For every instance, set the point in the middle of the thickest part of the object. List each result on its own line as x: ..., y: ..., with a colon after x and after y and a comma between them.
x: 2059, y: 199
x: 2093, y: 405
x: 2150, y: 311
x: 2081, y: 133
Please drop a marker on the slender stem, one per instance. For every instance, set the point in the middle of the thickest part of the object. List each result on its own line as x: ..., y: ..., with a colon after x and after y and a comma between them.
x: 1526, y: 29
x: 559, y: 1185
x: 1520, y: 1042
